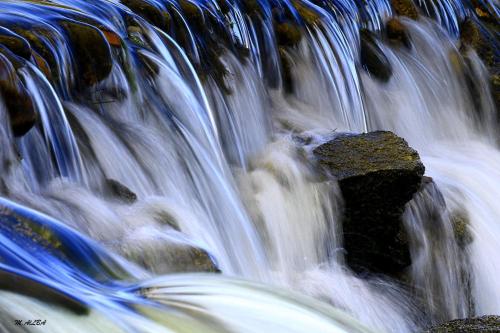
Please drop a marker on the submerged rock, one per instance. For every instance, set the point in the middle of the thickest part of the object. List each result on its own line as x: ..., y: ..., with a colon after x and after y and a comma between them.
x: 163, y: 255
x: 31, y: 288
x: 485, y: 324
x: 288, y: 34
x: 482, y: 39
x: 397, y: 33
x: 378, y: 173
x: 16, y: 99
x: 373, y: 58
x: 15, y: 43
x: 91, y: 52
x: 149, y: 12
x: 460, y: 224
x: 120, y: 191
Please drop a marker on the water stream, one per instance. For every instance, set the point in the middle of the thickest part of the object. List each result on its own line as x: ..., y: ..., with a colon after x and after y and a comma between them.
x: 221, y: 162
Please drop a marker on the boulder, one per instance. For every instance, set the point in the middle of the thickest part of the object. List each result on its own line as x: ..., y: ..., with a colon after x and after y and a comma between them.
x: 372, y: 58
x: 90, y: 51
x: 485, y: 324
x: 378, y: 173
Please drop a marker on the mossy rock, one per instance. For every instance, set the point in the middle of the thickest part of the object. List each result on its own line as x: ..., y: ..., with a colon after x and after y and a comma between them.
x: 39, y: 39
x: 149, y: 12
x: 308, y: 15
x: 460, y: 223
x: 373, y: 59
x: 485, y: 324
x: 164, y: 257
x: 251, y: 7
x: 90, y: 51
x: 397, y: 33
x: 192, y: 12
x: 378, y: 173
x: 15, y: 43
x: 405, y: 8
x: 16, y: 98
x: 481, y: 40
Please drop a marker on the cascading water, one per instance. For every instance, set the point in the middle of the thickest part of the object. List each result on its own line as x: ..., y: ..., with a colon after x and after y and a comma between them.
x: 208, y: 111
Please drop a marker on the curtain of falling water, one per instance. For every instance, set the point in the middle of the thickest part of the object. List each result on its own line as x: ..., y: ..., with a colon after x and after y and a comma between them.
x: 172, y: 140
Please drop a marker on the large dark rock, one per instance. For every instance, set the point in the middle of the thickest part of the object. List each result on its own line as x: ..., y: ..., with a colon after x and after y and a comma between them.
x: 378, y: 173
x: 485, y: 324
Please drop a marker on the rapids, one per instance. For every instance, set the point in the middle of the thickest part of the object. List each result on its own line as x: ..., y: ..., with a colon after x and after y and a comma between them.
x: 220, y: 162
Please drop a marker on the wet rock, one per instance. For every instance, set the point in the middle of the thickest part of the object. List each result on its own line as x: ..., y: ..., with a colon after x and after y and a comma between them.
x: 112, y: 37
x: 482, y: 39
x: 288, y: 34
x: 42, y: 65
x: 120, y: 191
x: 149, y: 12
x: 15, y: 43
x: 310, y: 16
x: 39, y: 39
x: 485, y: 324
x: 373, y: 59
x: 191, y: 12
x: 460, y: 224
x: 378, y: 173
x: 286, y: 69
x: 16, y: 99
x: 90, y: 51
x: 166, y: 255
x: 405, y: 8
x: 397, y: 33
x: 25, y: 286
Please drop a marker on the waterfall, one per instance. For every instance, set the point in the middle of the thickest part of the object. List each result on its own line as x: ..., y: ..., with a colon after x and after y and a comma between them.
x: 171, y: 129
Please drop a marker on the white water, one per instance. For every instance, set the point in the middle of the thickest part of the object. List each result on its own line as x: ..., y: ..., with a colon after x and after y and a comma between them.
x: 231, y: 173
